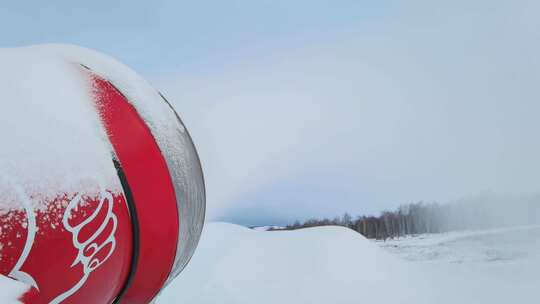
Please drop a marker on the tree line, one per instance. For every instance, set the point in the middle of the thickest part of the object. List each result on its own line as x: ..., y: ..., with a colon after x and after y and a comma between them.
x: 480, y: 212
x: 408, y: 219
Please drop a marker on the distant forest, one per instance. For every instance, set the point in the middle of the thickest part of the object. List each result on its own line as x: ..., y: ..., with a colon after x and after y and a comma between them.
x: 479, y: 212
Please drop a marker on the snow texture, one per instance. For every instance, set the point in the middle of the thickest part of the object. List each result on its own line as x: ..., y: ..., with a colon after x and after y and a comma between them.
x: 236, y: 265
x: 52, y: 139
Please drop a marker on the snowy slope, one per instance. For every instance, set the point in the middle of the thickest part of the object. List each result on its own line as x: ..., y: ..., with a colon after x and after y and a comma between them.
x: 237, y: 265
x: 234, y: 264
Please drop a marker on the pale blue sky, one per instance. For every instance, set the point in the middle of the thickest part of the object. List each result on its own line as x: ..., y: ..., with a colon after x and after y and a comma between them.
x: 314, y: 108
x: 152, y: 36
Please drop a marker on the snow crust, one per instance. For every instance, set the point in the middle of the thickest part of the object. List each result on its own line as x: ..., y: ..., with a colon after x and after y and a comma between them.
x: 148, y: 102
x: 51, y: 137
x: 11, y: 290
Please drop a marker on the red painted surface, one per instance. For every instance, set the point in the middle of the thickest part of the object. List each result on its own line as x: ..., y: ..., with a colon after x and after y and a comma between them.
x: 53, y: 259
x: 50, y: 260
x: 30, y: 296
x: 151, y: 186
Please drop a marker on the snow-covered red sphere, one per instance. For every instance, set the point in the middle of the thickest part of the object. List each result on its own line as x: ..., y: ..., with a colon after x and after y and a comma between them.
x: 101, y: 190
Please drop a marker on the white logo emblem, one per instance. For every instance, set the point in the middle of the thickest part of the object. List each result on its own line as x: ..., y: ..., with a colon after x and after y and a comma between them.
x: 16, y: 272
x: 89, y: 262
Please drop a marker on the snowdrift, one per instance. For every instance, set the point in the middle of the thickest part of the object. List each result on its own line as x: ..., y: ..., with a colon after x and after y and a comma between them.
x: 238, y: 265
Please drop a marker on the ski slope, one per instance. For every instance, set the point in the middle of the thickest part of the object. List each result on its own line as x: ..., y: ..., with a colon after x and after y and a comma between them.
x: 237, y: 265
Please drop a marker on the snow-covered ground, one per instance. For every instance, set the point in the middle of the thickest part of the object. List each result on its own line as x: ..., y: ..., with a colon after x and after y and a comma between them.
x: 237, y: 265
x: 234, y: 264
x: 513, y: 245
x: 491, y: 266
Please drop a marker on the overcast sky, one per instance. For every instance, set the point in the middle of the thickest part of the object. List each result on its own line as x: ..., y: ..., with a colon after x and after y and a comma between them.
x: 314, y: 108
